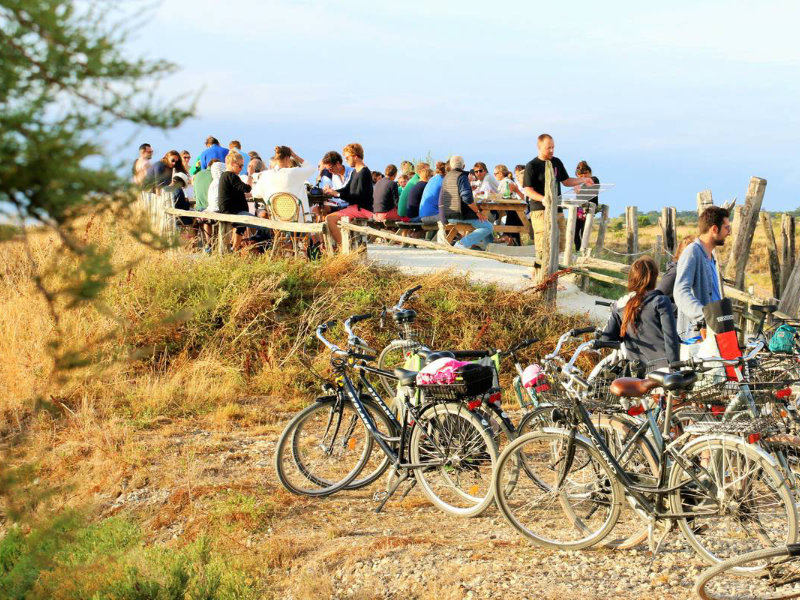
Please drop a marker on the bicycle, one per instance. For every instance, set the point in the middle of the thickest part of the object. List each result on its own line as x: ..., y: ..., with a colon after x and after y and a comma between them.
x: 449, y: 449
x: 713, y: 486
x: 775, y: 575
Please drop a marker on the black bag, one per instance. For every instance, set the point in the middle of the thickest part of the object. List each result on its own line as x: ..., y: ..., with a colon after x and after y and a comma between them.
x: 476, y: 379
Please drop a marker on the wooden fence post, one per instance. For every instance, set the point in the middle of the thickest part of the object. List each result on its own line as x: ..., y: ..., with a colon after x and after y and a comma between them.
x: 632, y: 232
x: 549, y: 252
x: 602, y: 225
x: 772, y: 254
x: 569, y: 233
x: 669, y: 228
x: 658, y: 251
x: 787, y: 249
x: 790, y: 298
x: 346, y: 247
x: 704, y: 200
x: 327, y: 239
x: 587, y: 228
x: 740, y: 249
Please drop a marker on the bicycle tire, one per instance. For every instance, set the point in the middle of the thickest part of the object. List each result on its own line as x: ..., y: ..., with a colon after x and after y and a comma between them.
x: 449, y: 433
x: 576, y: 513
x: 334, y: 473
x: 714, y: 584
x: 758, y: 507
x: 391, y: 357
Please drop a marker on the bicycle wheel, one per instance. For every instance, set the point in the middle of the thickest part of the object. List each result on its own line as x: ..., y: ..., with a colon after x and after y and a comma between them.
x: 785, y: 450
x: 776, y: 576
x: 457, y: 451
x: 323, y: 448
x: 738, y: 499
x: 392, y: 357
x: 563, y: 502
x: 544, y: 415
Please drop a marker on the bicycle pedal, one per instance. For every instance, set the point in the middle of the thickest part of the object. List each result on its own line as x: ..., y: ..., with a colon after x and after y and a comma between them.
x: 378, y: 496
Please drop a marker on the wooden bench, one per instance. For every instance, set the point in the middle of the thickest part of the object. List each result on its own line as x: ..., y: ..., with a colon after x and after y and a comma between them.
x: 456, y: 231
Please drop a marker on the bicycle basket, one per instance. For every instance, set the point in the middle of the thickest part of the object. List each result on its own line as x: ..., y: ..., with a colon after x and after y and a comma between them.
x: 470, y: 380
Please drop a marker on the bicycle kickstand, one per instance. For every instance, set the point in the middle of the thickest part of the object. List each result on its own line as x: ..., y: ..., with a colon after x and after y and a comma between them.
x: 391, y: 488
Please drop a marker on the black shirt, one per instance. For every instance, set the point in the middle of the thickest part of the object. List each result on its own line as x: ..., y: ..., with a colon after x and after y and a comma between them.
x: 385, y: 195
x: 534, y: 177
x: 358, y: 190
x: 231, y: 194
x: 414, y: 199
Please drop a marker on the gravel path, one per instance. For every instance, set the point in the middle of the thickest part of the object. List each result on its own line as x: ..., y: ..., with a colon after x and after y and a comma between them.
x: 338, y: 547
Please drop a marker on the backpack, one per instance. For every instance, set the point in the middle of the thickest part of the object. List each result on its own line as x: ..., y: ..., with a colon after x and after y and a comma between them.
x: 783, y: 339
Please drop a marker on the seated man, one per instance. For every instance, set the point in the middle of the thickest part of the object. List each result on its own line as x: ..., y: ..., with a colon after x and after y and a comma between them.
x: 233, y: 194
x: 486, y: 183
x: 335, y: 175
x: 385, y: 196
x: 415, y: 195
x: 285, y: 178
x: 457, y: 205
x: 429, y: 204
x: 357, y: 193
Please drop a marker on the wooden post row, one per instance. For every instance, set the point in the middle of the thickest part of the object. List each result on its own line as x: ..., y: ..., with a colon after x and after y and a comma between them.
x: 772, y: 254
x: 704, y: 200
x: 569, y: 233
x: 669, y: 228
x: 787, y: 248
x: 587, y: 228
x: 602, y: 226
x: 632, y: 232
x: 744, y: 231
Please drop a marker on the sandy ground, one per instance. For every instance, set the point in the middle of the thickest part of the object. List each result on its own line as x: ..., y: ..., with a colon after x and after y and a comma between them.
x: 419, y: 260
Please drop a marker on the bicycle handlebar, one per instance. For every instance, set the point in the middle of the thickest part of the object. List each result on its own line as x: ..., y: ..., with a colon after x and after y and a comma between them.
x: 606, y: 344
x: 330, y: 345
x: 520, y: 345
x: 697, y: 362
x: 582, y: 331
x: 404, y: 298
x: 608, y: 303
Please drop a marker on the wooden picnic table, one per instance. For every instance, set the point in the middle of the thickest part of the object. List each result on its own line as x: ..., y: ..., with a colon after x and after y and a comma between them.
x: 505, y: 206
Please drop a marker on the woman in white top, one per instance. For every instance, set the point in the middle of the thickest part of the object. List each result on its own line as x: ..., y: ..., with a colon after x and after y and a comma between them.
x: 217, y: 169
x: 289, y: 175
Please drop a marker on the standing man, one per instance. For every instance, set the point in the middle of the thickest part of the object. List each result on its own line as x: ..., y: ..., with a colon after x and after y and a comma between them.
x: 533, y: 188
x: 457, y: 205
x: 213, y: 150
x: 698, y: 281
x: 142, y: 164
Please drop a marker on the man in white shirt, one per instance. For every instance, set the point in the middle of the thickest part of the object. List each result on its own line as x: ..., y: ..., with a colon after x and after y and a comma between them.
x: 487, y: 184
x: 340, y: 174
x: 285, y: 178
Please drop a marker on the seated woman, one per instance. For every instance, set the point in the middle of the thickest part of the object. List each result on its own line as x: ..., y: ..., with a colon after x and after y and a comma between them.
x: 644, y: 320
x: 357, y: 193
x: 289, y: 175
x: 508, y: 189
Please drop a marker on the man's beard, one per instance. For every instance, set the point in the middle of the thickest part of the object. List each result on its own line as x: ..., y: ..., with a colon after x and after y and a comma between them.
x: 719, y: 242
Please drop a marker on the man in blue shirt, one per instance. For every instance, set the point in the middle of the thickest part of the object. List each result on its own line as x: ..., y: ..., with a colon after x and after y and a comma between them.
x: 698, y: 281
x: 213, y: 150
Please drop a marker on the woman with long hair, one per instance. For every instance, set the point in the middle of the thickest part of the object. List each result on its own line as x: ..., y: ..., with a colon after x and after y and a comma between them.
x: 161, y: 172
x: 644, y: 319
x: 667, y: 283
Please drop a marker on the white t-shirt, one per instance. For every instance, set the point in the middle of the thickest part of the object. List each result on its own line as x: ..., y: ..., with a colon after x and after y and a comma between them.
x: 487, y: 186
x: 291, y: 180
x: 217, y: 169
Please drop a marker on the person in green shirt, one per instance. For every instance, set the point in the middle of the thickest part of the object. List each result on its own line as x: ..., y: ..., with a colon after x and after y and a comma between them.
x: 201, y: 182
x: 403, y: 202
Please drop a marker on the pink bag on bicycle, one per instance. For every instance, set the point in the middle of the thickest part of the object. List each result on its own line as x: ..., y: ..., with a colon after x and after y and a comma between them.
x: 440, y: 371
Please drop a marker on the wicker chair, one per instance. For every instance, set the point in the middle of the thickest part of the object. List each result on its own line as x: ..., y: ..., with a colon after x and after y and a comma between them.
x: 286, y: 207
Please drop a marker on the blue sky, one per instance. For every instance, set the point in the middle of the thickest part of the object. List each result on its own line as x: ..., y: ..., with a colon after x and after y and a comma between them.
x: 662, y: 101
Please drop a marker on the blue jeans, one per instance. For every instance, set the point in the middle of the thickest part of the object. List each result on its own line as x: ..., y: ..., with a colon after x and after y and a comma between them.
x: 480, y: 237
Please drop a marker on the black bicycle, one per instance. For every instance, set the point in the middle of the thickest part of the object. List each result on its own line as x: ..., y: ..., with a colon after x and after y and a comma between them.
x: 329, y: 445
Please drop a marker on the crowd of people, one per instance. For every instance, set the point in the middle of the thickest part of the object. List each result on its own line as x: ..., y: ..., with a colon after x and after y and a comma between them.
x: 226, y: 180
x: 648, y: 319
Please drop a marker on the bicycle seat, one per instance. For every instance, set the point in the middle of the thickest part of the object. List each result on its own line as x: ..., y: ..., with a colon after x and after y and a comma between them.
x: 632, y: 387
x: 405, y: 377
x: 405, y: 316
x: 680, y: 380
x: 431, y: 355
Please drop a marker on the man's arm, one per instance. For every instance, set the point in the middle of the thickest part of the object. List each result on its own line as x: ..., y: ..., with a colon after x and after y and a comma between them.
x: 685, y: 300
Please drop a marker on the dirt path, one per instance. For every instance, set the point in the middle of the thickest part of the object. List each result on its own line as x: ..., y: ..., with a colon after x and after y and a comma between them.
x: 419, y: 260
x: 220, y: 481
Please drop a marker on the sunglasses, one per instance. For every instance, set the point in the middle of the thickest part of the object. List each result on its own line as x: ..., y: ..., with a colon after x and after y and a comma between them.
x: 478, y: 170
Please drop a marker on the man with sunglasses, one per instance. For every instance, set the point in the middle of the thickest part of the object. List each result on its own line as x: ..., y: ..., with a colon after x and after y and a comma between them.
x: 487, y: 184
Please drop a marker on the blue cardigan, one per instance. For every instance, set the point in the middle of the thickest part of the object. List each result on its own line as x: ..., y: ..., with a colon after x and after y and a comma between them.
x: 694, y: 285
